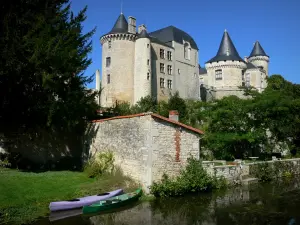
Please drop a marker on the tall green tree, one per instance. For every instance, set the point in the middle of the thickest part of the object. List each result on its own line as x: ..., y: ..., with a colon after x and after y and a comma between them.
x: 43, y: 58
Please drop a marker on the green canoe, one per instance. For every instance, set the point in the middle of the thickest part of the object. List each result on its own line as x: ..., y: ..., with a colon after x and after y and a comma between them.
x: 113, y: 202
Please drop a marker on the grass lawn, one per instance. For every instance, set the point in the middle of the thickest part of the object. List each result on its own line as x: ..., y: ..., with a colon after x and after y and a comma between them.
x: 26, y: 196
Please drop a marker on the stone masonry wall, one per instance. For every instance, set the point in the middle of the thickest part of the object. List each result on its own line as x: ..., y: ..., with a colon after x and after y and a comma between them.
x: 146, y: 147
x: 128, y: 139
x: 171, y: 148
x: 236, y: 172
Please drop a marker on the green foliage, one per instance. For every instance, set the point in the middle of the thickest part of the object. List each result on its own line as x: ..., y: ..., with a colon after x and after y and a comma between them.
x: 263, y: 171
x: 268, y: 171
x: 44, y: 55
x: 123, y: 109
x: 145, y: 104
x: 4, y: 163
x: 230, y: 132
x: 100, y: 164
x: 175, y: 102
x: 193, y: 178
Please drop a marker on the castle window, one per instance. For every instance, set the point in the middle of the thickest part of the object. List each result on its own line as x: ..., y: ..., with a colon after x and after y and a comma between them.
x: 108, y: 78
x: 162, y: 68
x: 170, y: 84
x: 148, y: 62
x: 169, y: 55
x: 201, y: 81
x: 109, y: 44
x: 243, y: 74
x: 148, y: 45
x: 218, y: 74
x: 148, y: 76
x: 162, y: 53
x: 187, y: 51
x: 178, y: 71
x: 247, y: 83
x: 108, y: 61
x: 162, y: 82
x: 169, y: 69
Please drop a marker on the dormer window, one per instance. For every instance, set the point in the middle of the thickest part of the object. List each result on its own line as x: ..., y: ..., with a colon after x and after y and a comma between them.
x: 187, y: 51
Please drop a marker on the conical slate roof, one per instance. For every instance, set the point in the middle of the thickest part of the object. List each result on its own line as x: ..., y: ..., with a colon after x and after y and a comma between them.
x: 143, y: 34
x: 257, y: 50
x: 226, y: 51
x: 121, y: 25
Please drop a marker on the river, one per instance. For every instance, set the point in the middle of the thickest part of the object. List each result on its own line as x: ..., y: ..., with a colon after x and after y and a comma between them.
x: 277, y: 203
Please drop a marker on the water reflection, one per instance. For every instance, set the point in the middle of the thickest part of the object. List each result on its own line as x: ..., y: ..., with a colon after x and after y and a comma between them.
x: 255, y: 204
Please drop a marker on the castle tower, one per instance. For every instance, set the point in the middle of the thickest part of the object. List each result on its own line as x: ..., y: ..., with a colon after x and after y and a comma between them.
x: 259, y: 58
x: 225, y: 70
x: 118, y: 49
x: 98, y: 85
x: 142, y: 71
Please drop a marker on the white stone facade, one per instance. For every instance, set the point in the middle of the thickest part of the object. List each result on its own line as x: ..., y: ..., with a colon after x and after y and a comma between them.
x: 134, y: 67
x: 146, y: 146
x: 142, y: 66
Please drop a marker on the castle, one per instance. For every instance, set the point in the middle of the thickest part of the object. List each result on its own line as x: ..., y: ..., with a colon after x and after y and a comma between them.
x: 136, y: 64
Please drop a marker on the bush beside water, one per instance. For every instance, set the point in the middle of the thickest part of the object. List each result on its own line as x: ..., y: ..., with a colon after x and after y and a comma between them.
x: 271, y: 171
x: 194, y: 178
x: 100, y: 164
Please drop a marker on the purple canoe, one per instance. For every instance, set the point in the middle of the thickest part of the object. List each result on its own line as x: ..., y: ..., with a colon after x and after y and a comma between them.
x: 80, y: 202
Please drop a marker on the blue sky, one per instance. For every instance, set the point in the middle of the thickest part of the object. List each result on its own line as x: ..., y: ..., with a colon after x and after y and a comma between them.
x: 274, y: 23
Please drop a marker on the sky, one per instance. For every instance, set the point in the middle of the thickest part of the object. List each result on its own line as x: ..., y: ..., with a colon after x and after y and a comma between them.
x: 274, y: 23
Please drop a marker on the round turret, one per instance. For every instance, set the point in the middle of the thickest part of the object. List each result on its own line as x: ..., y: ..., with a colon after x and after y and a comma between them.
x: 259, y: 58
x: 142, y: 71
x: 118, y: 49
x: 225, y: 70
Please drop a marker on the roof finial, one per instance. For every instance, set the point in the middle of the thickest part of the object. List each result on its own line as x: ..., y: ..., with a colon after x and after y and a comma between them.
x: 225, y: 31
x: 121, y: 6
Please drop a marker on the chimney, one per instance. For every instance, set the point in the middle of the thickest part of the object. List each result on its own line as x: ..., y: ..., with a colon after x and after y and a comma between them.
x: 131, y: 25
x: 246, y: 59
x: 174, y: 115
x: 141, y: 27
x: 97, y: 80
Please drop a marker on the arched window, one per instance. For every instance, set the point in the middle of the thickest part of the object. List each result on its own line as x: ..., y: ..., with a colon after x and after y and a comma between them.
x: 187, y: 51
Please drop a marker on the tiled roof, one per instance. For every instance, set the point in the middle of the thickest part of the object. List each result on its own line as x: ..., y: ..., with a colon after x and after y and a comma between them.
x: 154, y: 115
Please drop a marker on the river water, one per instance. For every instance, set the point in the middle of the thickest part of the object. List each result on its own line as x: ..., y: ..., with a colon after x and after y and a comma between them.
x: 277, y: 203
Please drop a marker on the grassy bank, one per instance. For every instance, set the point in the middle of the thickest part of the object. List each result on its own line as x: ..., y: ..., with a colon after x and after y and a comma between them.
x: 26, y: 196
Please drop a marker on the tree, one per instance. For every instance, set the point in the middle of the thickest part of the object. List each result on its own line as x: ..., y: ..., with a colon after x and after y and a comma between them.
x: 43, y: 57
x: 230, y: 133
x: 277, y: 110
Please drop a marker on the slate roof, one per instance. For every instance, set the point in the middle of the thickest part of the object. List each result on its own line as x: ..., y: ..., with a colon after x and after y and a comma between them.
x: 121, y: 25
x: 258, y: 50
x: 202, y: 70
x: 251, y: 66
x: 227, y: 50
x: 143, y: 34
x: 172, y: 33
x: 157, y: 41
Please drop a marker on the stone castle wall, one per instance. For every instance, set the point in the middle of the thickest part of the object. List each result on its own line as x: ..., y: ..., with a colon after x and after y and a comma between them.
x: 145, y: 147
x: 121, y: 69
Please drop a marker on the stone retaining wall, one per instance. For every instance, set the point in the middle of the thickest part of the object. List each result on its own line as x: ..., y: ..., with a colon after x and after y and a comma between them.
x: 237, y: 172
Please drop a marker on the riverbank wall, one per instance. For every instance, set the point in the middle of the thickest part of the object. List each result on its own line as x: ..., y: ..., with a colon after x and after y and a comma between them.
x: 241, y: 170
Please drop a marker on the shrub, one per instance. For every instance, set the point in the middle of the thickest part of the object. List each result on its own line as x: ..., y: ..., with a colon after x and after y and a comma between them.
x: 102, y: 163
x: 263, y: 171
x: 4, y: 163
x: 193, y: 178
